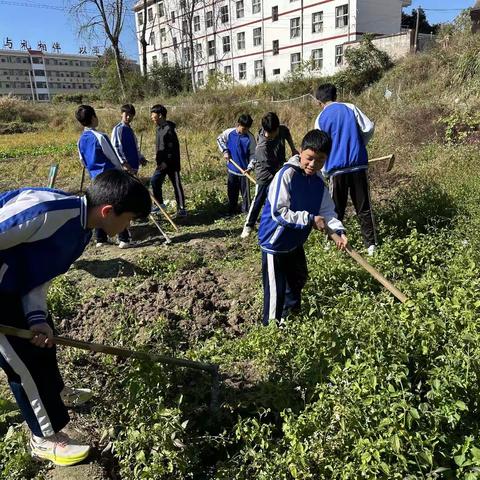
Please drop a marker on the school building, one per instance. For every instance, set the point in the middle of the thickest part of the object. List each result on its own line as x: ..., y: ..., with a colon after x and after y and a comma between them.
x: 37, y: 75
x: 260, y: 40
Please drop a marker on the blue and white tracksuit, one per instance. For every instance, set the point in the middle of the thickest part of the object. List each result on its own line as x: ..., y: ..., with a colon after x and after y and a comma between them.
x: 294, y: 199
x: 42, y: 232
x: 98, y: 155
x: 347, y: 164
x: 125, y: 144
x: 241, y: 148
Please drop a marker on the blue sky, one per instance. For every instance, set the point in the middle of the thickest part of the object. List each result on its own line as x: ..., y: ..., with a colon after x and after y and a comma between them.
x: 44, y: 20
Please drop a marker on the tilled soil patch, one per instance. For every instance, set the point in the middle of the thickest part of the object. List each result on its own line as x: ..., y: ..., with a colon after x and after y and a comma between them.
x: 195, y: 303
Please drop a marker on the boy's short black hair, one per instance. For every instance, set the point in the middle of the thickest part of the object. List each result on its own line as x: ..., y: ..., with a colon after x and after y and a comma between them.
x: 326, y: 92
x: 159, y: 110
x: 245, y: 120
x: 317, y: 141
x: 85, y: 114
x: 121, y: 190
x: 128, y: 108
x: 270, y: 122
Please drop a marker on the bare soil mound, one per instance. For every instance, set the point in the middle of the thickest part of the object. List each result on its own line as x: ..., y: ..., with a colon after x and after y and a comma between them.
x: 194, y: 303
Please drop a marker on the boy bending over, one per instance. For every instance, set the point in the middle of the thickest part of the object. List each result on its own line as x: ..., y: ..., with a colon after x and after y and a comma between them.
x: 297, y: 202
x: 42, y: 232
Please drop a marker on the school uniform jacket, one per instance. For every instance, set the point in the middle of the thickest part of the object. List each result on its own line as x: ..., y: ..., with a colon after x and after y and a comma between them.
x: 97, y: 153
x: 241, y: 148
x: 42, y: 232
x: 125, y: 144
x: 294, y: 199
x: 350, y: 130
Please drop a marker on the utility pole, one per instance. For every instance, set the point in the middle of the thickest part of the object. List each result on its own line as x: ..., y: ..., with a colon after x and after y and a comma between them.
x: 417, y: 27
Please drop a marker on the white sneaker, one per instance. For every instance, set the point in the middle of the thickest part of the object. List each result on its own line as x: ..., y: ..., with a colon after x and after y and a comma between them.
x: 246, y: 232
x: 371, y: 250
x: 74, y: 397
x: 124, y: 244
x: 101, y: 244
x: 60, y: 449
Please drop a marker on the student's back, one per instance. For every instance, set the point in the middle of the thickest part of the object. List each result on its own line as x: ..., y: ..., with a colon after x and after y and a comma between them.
x: 348, y: 153
x: 92, y: 146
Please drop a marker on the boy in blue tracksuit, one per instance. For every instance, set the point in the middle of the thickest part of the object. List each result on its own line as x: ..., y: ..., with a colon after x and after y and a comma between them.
x: 124, y: 140
x: 239, y: 145
x: 98, y: 155
x: 347, y: 165
x: 297, y: 202
x: 42, y: 232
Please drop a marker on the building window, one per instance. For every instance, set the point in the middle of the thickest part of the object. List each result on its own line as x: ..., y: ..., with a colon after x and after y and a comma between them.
x: 165, y: 58
x: 242, y: 71
x: 155, y: 61
x: 196, y: 23
x: 212, y: 72
x: 256, y: 6
x: 227, y: 70
x: 276, y: 71
x: 161, y: 10
x: 275, y: 47
x: 175, y: 43
x: 317, y: 59
x: 150, y: 14
x: 185, y: 26
x: 257, y: 36
x: 341, y: 16
x: 140, y: 18
x: 295, y: 59
x: 163, y: 35
x: 226, y: 44
x: 224, y: 14
x: 198, y: 51
x: 339, y: 55
x: 211, y: 48
x: 295, y: 27
x: 40, y: 85
x: 151, y: 41
x: 38, y: 73
x: 240, y: 9
x: 258, y: 65
x: 317, y: 22
x: 172, y: 16
x: 186, y: 54
x: 200, y: 78
x: 274, y: 14
x: 209, y: 19
x: 241, y: 40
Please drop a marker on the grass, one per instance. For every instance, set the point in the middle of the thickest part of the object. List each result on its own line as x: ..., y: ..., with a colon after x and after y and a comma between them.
x: 358, y: 385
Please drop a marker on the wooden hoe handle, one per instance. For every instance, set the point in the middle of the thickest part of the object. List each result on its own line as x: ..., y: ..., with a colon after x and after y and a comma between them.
x: 119, y: 352
x: 371, y: 270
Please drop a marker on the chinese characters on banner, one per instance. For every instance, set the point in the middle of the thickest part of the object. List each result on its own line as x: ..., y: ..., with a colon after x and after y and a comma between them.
x: 42, y: 46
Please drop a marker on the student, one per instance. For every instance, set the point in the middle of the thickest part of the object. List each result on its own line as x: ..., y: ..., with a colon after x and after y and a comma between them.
x: 347, y: 165
x: 124, y: 140
x: 98, y: 155
x: 42, y: 232
x: 239, y: 145
x: 269, y: 157
x: 297, y: 201
x: 168, y: 159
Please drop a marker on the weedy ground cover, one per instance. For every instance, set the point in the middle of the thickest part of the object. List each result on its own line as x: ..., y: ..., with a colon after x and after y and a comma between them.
x: 356, y: 386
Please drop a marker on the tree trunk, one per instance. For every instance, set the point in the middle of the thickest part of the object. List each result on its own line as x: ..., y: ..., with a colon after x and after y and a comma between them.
x: 121, y: 74
x: 143, y: 40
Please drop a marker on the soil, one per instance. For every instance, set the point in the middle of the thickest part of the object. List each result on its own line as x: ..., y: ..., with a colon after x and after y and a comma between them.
x: 196, y: 302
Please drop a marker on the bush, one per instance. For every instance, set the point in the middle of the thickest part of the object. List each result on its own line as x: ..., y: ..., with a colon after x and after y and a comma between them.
x: 13, y: 109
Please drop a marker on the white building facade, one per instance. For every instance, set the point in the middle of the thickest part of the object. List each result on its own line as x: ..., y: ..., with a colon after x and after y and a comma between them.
x: 260, y: 40
x: 36, y: 75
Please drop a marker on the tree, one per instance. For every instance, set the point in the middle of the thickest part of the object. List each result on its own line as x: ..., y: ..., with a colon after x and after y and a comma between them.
x: 410, y: 21
x: 143, y: 40
x: 108, y: 16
